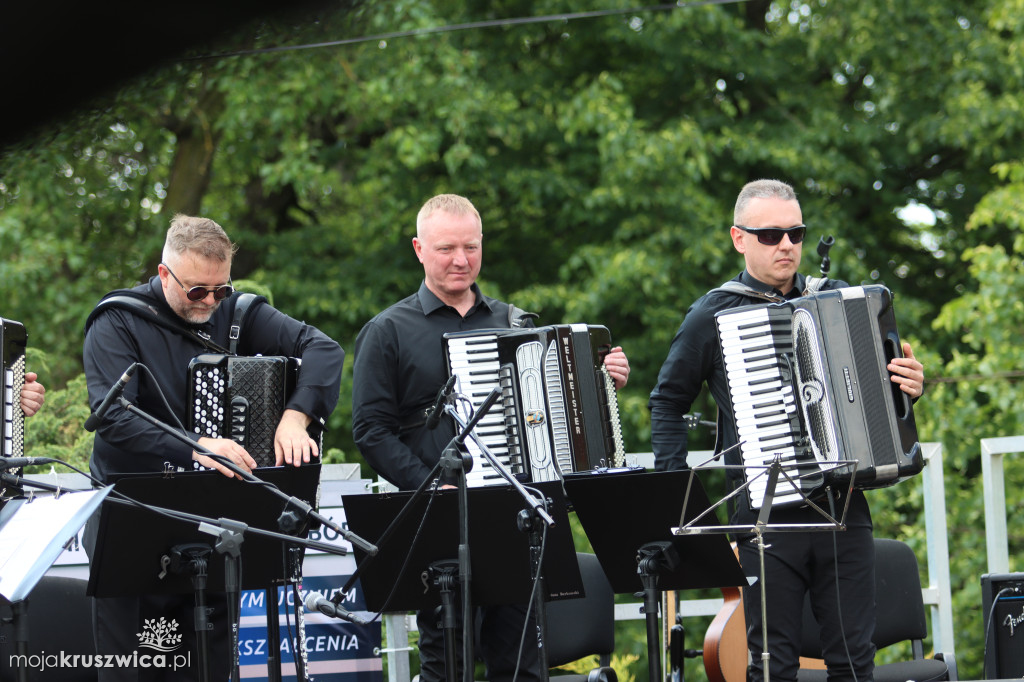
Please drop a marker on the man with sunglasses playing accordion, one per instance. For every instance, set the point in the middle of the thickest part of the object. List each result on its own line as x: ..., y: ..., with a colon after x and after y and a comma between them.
x: 191, y: 301
x: 768, y: 230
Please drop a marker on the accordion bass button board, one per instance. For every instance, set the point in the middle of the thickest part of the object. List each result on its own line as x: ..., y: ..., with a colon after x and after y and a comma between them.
x: 809, y: 385
x: 241, y: 398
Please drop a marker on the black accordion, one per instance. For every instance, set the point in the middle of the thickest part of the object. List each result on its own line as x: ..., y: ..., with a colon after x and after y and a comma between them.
x: 558, y: 412
x: 241, y: 398
x: 809, y: 385
x: 14, y: 341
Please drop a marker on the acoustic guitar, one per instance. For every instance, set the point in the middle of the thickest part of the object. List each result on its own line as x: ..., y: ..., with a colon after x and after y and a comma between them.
x: 725, y: 642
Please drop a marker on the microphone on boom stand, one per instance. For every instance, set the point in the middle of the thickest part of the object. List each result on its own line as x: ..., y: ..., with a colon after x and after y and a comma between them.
x: 824, y: 244
x: 314, y: 602
x: 96, y: 417
x: 437, y: 409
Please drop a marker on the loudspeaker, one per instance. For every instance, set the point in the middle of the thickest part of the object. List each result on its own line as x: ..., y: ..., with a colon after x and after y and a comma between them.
x: 1004, y: 624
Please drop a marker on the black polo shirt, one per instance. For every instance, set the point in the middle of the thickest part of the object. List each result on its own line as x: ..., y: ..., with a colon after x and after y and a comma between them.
x: 399, y: 369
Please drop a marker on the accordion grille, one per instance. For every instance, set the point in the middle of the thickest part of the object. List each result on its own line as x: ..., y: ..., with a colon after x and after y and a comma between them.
x: 811, y: 380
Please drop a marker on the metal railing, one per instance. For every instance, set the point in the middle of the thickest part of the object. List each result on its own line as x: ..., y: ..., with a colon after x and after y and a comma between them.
x: 992, y: 451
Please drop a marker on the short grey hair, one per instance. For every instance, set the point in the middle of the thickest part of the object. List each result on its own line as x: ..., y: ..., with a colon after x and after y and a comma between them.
x: 760, y: 189
x: 200, y: 236
x: 449, y: 203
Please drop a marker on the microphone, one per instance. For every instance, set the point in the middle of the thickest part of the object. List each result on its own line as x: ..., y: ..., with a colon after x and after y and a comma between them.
x: 17, y: 462
x: 96, y: 417
x: 314, y: 602
x: 437, y: 409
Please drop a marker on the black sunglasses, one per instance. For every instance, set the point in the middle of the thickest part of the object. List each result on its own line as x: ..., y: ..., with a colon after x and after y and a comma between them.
x: 199, y: 293
x: 770, y: 236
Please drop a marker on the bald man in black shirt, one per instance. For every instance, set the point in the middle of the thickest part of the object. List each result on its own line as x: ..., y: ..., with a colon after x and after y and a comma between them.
x: 399, y: 368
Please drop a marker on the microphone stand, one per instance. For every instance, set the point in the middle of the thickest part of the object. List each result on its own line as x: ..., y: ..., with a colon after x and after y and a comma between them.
x: 455, y: 461
x: 444, y: 572
x: 775, y: 472
x: 532, y: 520
x: 304, y: 509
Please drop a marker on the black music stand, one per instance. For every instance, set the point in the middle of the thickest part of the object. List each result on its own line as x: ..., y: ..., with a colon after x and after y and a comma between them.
x: 791, y: 476
x: 121, y: 569
x: 494, y: 540
x: 133, y: 549
x: 628, y: 517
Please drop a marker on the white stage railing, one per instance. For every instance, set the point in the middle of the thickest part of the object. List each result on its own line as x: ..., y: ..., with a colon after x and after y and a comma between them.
x: 996, y: 544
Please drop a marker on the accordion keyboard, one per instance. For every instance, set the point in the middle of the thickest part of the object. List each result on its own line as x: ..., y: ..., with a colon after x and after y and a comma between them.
x: 754, y: 345
x: 14, y: 341
x: 474, y: 361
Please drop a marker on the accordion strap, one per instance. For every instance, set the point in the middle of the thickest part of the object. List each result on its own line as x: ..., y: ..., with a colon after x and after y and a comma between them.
x: 517, y: 317
x: 242, y: 304
x: 143, y: 307
x: 813, y: 285
x: 734, y: 287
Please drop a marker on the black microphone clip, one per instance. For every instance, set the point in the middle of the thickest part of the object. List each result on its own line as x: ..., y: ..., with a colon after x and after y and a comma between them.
x: 437, y: 409
x: 96, y: 417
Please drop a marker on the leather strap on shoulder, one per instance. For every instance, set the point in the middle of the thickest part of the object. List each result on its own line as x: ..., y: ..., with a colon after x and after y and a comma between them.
x: 517, y: 317
x: 814, y: 284
x: 242, y: 305
x: 143, y: 307
x: 734, y: 287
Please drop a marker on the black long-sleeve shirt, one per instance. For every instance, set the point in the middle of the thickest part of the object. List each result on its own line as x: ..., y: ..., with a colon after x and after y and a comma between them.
x: 399, y: 368
x: 126, y: 443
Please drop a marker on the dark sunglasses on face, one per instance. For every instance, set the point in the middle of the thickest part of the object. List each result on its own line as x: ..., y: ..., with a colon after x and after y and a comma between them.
x: 199, y: 293
x: 770, y: 236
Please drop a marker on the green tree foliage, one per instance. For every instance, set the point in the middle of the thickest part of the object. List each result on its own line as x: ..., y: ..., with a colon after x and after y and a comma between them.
x: 604, y: 153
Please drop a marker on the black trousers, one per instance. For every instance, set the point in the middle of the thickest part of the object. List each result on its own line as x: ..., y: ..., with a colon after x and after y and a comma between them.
x: 119, y: 622
x: 499, y: 630
x: 799, y: 563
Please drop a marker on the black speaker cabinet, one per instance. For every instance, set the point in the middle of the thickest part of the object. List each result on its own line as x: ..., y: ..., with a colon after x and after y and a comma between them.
x: 1005, y: 635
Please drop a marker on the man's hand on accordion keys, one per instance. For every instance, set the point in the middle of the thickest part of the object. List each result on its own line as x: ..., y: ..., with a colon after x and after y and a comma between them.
x: 225, y: 447
x: 292, y: 443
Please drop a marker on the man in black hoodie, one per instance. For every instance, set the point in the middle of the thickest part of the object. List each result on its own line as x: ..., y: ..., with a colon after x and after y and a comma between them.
x: 192, y: 290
